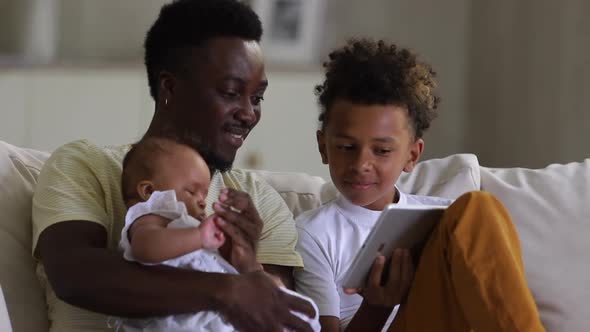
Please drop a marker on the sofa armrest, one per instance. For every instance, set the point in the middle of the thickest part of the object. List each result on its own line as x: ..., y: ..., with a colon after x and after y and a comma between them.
x: 4, y: 319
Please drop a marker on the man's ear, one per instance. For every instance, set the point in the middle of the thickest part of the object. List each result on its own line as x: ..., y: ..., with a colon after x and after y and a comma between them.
x: 322, y: 146
x: 167, y: 85
x: 145, y: 189
x: 414, y: 154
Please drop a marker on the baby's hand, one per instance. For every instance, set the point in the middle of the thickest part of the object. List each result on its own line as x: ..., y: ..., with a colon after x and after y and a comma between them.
x: 211, y: 236
x: 397, y: 285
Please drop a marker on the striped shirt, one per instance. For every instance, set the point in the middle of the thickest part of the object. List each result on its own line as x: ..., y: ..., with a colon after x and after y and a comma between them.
x: 82, y: 181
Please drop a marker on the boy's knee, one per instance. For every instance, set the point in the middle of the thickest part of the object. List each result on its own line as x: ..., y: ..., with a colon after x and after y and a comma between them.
x: 474, y: 205
x: 474, y: 198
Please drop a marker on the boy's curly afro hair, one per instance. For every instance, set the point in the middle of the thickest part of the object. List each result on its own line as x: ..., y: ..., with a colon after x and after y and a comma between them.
x: 368, y: 72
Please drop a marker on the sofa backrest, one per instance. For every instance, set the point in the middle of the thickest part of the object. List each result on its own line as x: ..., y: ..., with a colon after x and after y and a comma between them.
x: 24, y: 298
x: 448, y: 177
x: 550, y: 208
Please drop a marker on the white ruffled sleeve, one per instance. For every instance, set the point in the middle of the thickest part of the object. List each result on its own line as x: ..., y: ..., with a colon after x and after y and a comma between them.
x: 162, y: 203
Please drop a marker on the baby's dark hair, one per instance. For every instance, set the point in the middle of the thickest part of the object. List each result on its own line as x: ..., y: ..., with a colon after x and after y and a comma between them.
x: 368, y: 72
x: 185, y: 24
x: 139, y: 162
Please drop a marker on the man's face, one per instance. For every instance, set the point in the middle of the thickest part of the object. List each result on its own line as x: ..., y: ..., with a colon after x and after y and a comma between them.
x: 218, y: 98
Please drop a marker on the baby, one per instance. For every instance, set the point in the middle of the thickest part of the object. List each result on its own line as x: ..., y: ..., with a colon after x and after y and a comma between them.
x: 165, y: 184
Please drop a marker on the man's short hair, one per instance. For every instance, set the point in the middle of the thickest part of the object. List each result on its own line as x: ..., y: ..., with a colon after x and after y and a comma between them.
x: 185, y: 24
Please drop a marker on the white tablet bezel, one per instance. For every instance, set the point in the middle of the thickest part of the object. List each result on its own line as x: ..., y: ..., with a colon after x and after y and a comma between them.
x: 398, y: 226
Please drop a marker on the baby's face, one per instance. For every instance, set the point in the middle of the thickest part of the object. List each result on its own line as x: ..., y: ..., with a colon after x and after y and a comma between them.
x: 185, y: 172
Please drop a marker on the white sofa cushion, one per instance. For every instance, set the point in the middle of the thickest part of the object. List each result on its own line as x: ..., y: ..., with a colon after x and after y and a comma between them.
x: 551, y: 210
x: 301, y: 192
x: 448, y: 177
x: 4, y: 318
x: 25, y: 301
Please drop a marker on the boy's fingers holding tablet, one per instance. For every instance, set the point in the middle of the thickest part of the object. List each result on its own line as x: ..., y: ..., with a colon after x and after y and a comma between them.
x: 407, y: 275
x: 395, y: 267
x: 377, y: 271
x: 351, y: 291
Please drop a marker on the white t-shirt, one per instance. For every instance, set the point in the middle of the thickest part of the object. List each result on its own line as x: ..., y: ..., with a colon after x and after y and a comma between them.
x: 329, y: 238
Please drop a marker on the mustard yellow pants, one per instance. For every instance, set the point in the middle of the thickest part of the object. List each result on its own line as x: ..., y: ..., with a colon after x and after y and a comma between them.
x: 470, y: 276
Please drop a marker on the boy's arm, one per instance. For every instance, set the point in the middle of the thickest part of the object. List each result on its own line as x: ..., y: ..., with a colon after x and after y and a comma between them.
x: 152, y: 242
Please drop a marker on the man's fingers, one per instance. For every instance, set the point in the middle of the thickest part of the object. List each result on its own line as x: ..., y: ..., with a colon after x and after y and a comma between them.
x: 235, y: 233
x: 240, y: 201
x: 298, y: 304
x: 376, y: 271
x: 294, y: 323
x: 250, y: 229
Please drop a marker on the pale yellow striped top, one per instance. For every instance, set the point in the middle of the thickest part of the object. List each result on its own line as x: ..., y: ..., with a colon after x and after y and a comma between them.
x: 82, y: 181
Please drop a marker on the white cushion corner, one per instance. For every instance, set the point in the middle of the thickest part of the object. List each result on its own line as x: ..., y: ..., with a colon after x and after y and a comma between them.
x: 448, y: 177
x: 551, y: 213
x: 24, y: 298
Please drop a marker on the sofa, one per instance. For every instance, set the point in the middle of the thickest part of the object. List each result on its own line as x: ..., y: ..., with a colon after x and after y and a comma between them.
x: 550, y: 208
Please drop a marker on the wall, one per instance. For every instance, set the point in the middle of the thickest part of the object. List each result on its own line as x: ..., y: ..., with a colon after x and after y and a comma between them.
x: 438, y: 31
x: 114, y: 29
x: 529, y: 82
x: 44, y: 108
x: 514, y: 78
x: 51, y: 105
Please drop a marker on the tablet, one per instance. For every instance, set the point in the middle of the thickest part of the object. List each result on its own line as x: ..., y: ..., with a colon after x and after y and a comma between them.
x: 398, y: 226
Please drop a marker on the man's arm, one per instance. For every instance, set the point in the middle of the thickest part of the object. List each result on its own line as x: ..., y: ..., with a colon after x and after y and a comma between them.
x: 285, y: 273
x: 86, y: 274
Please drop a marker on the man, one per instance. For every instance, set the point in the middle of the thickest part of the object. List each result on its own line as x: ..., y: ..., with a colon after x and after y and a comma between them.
x: 207, y: 78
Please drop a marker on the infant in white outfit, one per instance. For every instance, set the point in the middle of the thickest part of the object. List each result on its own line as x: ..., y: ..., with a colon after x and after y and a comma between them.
x: 165, y: 184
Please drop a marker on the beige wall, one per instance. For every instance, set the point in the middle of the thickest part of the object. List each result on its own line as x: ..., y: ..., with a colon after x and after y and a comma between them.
x: 44, y: 108
x: 529, y: 82
x: 95, y: 29
x: 438, y: 31
x: 514, y: 78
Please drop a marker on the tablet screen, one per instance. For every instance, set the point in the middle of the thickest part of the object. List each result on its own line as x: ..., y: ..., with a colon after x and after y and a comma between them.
x: 398, y: 226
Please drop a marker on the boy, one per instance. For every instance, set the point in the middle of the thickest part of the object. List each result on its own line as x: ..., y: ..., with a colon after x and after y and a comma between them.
x: 165, y: 185
x: 377, y: 100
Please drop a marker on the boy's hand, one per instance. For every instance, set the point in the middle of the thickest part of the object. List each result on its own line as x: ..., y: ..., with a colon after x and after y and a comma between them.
x: 239, y: 220
x: 397, y: 285
x: 212, y: 237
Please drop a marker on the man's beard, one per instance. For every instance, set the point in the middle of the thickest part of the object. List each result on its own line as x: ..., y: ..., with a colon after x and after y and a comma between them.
x: 216, y: 163
x: 213, y: 160
x: 186, y: 136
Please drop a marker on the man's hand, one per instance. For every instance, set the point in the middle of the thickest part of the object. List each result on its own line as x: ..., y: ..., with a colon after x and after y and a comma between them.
x: 257, y: 304
x: 238, y: 218
x: 397, y: 285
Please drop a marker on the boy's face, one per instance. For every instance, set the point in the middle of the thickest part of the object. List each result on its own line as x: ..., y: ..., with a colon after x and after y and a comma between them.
x: 367, y: 147
x: 184, y: 171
